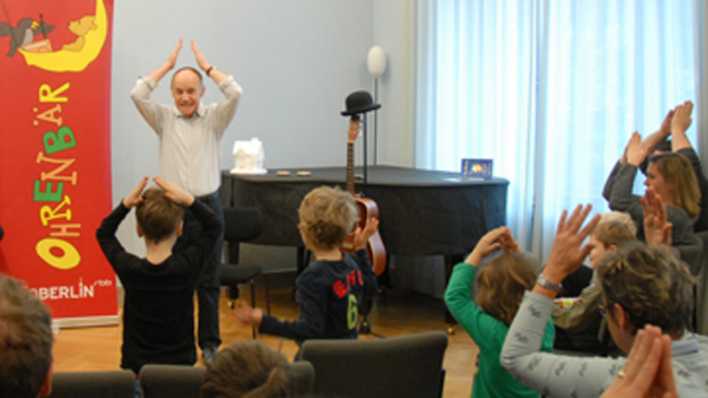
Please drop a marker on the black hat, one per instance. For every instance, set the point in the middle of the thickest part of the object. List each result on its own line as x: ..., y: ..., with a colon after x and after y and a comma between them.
x: 359, y: 102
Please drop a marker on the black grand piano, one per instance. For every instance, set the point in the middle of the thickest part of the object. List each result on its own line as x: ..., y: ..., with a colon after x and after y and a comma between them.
x: 423, y: 212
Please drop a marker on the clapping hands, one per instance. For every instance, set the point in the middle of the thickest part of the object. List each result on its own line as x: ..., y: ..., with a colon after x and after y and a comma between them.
x: 172, y: 191
x: 681, y: 120
x: 648, y: 371
x: 198, y: 56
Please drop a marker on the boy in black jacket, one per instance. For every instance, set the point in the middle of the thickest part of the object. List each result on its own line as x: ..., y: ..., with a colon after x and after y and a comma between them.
x: 330, y: 290
x: 158, y: 313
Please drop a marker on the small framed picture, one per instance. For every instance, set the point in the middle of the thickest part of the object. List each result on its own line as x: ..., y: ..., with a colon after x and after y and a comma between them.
x: 480, y: 168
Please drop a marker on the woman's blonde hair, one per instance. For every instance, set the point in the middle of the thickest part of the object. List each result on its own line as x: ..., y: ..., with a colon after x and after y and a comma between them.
x: 501, y: 285
x: 651, y: 285
x: 327, y: 216
x: 676, y: 169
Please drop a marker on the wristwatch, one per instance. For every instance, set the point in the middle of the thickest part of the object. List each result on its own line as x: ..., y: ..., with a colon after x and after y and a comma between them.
x: 546, y: 284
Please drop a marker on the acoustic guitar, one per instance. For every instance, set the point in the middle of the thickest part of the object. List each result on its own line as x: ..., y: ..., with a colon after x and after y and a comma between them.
x: 367, y: 208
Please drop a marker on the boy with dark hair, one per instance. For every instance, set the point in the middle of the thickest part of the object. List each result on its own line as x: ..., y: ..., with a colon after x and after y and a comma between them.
x: 331, y: 288
x: 158, y: 313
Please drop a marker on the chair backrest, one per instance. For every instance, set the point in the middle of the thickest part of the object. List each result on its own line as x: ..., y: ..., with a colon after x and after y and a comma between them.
x: 110, y: 384
x: 242, y: 224
x: 407, y: 366
x: 174, y: 381
x: 302, y: 378
x: 692, y: 254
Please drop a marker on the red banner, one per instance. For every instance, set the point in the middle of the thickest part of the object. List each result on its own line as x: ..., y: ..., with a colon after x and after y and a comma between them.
x: 55, y: 175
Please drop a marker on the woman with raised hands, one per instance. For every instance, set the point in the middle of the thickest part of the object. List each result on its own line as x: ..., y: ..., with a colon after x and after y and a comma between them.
x: 670, y: 175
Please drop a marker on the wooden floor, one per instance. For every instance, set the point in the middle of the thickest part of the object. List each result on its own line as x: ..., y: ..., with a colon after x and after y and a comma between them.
x: 98, y: 348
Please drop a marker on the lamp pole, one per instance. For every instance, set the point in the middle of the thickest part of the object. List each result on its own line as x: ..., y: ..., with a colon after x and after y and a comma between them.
x: 376, y: 122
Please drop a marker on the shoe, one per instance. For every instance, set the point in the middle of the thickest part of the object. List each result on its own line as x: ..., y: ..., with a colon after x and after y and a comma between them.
x: 209, y: 353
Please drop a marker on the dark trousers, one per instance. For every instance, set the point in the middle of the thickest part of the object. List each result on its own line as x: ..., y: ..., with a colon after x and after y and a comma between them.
x: 208, y: 287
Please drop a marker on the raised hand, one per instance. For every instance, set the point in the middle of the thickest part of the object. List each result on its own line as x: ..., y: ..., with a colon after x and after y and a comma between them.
x: 568, y: 251
x: 635, y: 152
x: 174, y: 192
x: 199, y: 57
x: 657, y: 229
x: 665, y: 128
x: 508, y: 243
x: 490, y: 242
x: 172, y: 58
x: 136, y: 195
x: 361, y: 236
x: 682, y: 118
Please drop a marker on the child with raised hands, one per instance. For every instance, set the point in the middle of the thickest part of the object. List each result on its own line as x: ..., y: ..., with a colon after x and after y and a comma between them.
x: 484, y: 300
x: 158, y: 313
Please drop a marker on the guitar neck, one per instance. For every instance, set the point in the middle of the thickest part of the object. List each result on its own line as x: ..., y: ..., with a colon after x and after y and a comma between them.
x: 350, y: 167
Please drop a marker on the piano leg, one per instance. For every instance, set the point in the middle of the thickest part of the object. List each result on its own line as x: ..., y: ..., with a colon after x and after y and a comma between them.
x: 450, y: 261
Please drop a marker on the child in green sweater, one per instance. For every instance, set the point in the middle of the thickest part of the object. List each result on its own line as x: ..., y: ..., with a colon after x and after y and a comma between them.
x: 484, y: 301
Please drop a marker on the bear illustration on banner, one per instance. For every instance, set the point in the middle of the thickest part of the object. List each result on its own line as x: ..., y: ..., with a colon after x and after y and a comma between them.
x: 90, y: 36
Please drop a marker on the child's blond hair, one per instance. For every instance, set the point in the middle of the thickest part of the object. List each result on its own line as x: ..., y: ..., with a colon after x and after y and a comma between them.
x: 327, y: 216
x: 615, y: 228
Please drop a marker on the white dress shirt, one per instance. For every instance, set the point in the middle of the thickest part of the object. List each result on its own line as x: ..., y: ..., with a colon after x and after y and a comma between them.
x: 189, y: 147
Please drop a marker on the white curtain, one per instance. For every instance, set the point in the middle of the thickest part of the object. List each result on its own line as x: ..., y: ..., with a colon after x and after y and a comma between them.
x: 549, y: 89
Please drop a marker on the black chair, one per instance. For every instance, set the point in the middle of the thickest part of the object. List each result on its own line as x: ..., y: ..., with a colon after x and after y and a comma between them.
x: 241, y: 225
x: 175, y: 381
x: 701, y: 289
x: 110, y: 384
x: 302, y: 378
x: 407, y: 366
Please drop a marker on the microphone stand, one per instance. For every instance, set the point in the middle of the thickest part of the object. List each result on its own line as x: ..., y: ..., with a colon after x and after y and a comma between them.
x: 366, y: 150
